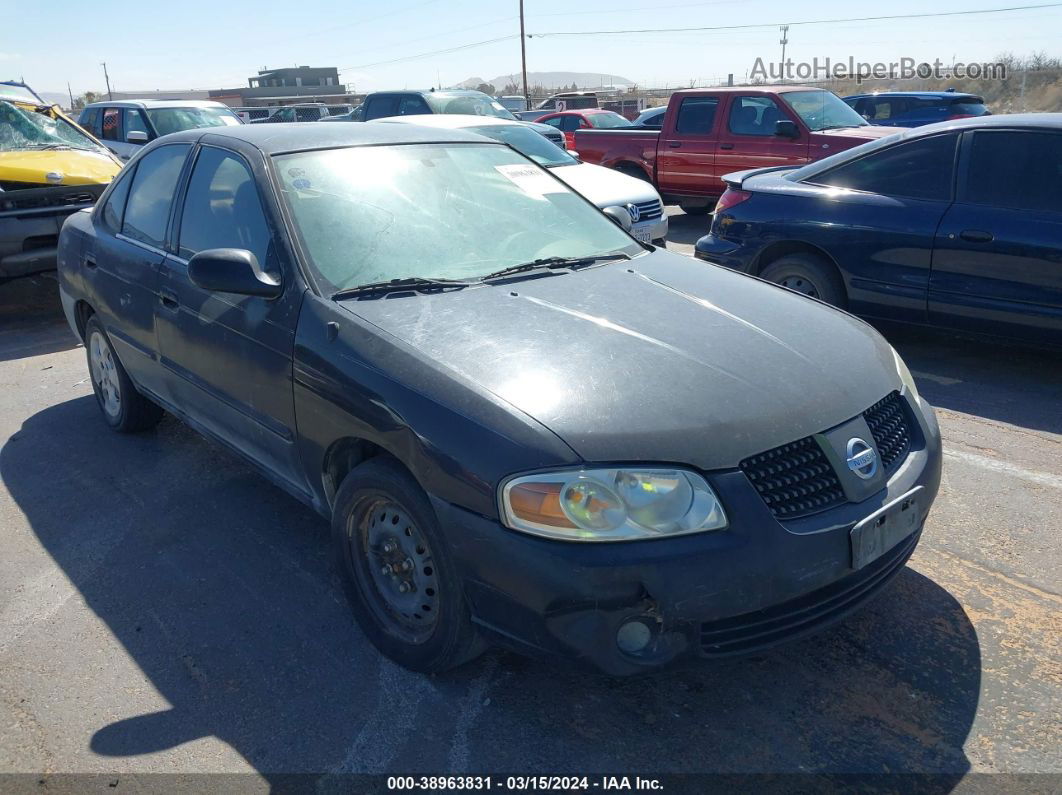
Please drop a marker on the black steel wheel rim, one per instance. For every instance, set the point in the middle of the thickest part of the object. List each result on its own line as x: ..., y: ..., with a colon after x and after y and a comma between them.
x: 799, y: 284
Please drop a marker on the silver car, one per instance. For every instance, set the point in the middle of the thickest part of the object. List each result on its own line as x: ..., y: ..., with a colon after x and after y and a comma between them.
x: 125, y: 125
x: 602, y: 186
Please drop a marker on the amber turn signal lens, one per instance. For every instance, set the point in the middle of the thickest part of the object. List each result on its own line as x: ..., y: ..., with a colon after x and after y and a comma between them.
x: 539, y: 503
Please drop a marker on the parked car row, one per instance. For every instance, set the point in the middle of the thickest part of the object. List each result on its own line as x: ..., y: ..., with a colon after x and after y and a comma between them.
x: 526, y: 427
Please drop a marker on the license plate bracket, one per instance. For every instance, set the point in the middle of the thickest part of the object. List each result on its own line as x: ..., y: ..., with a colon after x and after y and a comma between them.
x: 885, y: 528
x: 643, y: 235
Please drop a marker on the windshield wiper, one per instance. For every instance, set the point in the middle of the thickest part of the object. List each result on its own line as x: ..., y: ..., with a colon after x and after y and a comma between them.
x: 409, y: 284
x: 554, y: 263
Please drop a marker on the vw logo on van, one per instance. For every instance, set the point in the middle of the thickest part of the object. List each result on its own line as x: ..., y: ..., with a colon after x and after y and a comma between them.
x: 635, y: 213
x: 861, y: 458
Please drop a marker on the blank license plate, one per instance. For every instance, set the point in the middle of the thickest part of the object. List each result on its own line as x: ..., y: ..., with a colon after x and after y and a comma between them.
x: 885, y: 528
x: 643, y: 235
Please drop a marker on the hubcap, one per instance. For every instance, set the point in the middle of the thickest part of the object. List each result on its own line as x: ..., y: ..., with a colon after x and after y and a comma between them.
x: 402, y: 581
x: 104, y: 374
x: 800, y: 285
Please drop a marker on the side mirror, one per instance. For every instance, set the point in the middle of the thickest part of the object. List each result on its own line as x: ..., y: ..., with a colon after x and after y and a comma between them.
x: 786, y: 129
x: 620, y: 216
x: 572, y: 153
x: 232, y: 270
x: 136, y: 137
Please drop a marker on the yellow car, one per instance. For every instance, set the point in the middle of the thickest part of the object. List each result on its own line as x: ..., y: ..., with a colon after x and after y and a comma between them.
x: 49, y: 169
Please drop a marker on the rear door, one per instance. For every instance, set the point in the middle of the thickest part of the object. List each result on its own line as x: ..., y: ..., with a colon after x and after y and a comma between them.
x: 997, y: 262
x: 748, y: 140
x: 122, y: 266
x: 227, y: 358
x: 685, y: 157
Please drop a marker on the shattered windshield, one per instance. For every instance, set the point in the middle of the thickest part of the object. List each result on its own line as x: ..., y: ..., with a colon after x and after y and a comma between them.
x: 22, y: 129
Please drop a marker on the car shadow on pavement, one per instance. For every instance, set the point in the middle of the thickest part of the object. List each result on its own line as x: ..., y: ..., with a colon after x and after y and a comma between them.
x: 220, y: 590
x: 1008, y: 383
x: 31, y: 319
x: 686, y: 229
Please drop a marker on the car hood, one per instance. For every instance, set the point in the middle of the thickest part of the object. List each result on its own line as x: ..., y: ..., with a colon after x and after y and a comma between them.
x: 661, y: 359
x: 76, y: 167
x: 868, y: 133
x: 605, y: 187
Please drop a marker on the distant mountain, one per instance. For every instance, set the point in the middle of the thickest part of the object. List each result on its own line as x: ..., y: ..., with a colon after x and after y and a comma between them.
x: 552, y: 80
x: 55, y: 98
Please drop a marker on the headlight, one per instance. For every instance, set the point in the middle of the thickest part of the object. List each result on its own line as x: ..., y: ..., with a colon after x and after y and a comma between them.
x: 905, y: 376
x: 617, y: 504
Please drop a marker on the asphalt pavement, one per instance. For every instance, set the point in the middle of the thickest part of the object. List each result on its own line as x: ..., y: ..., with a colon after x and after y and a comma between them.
x: 163, y: 609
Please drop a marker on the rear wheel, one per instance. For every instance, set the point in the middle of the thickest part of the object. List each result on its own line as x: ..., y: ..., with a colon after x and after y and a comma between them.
x: 396, y: 569
x: 124, y: 409
x: 808, y: 275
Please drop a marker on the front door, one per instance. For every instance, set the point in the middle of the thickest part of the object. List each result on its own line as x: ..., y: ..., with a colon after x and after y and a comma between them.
x: 227, y: 358
x: 748, y: 139
x: 997, y: 262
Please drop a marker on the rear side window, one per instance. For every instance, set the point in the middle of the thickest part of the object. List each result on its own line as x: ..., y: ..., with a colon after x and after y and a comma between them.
x: 1019, y: 170
x: 882, y: 109
x: 147, y: 210
x: 381, y: 107
x: 222, y: 208
x: 412, y: 106
x: 696, y: 116
x: 968, y: 109
x: 919, y: 169
x: 754, y: 115
x: 111, y: 125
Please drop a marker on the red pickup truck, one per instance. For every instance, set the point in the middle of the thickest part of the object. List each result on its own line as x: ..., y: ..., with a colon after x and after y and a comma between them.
x: 711, y: 132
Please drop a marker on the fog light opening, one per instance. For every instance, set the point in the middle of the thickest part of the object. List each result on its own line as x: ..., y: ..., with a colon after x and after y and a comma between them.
x: 634, y: 636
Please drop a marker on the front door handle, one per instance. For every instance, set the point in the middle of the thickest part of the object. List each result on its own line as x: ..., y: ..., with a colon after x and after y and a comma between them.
x: 168, y: 298
x: 726, y: 146
x: 975, y: 236
x: 674, y: 144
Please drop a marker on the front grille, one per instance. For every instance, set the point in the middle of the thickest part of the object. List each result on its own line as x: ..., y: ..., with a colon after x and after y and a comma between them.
x: 556, y: 138
x: 794, y: 479
x: 888, y: 422
x: 650, y: 210
x: 43, y: 198
x: 805, y: 614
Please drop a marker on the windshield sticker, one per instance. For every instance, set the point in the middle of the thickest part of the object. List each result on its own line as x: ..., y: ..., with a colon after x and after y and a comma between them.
x: 532, y: 181
x: 301, y: 183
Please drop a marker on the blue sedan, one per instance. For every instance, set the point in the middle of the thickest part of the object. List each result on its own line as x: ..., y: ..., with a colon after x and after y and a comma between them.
x: 955, y: 225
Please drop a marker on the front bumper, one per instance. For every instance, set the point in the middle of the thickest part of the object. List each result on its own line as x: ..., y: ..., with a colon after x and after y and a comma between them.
x: 30, y: 222
x: 756, y: 584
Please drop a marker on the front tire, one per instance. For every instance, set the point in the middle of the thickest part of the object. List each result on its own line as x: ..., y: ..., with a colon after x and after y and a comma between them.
x: 123, y: 407
x: 397, y: 572
x: 808, y: 275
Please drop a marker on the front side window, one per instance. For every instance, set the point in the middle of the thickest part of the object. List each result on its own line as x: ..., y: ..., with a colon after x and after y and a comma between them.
x: 1018, y: 170
x: 370, y: 214
x: 413, y: 106
x: 222, y: 208
x: 147, y: 211
x: 571, y: 123
x: 467, y: 104
x: 919, y: 169
x: 134, y: 122
x: 822, y: 110
x: 696, y: 116
x: 754, y: 115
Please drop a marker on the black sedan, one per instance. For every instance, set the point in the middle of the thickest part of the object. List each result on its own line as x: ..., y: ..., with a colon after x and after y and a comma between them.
x: 525, y: 427
x: 956, y: 225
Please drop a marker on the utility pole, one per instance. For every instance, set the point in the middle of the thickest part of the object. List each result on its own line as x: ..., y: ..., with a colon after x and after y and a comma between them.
x: 784, y: 41
x: 107, y: 79
x: 523, y: 58
x: 71, y: 93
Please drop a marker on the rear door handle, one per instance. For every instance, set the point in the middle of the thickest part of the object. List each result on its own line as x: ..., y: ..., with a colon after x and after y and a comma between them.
x: 90, y: 263
x: 168, y: 298
x: 975, y: 236
x: 726, y: 146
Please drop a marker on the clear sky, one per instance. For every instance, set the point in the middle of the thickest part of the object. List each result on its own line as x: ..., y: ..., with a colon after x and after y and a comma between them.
x: 186, y: 44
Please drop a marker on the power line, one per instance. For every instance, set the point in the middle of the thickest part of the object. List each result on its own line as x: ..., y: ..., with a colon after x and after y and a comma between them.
x: 805, y: 22
x: 433, y: 52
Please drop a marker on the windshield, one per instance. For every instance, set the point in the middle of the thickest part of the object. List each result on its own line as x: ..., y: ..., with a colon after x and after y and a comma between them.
x: 822, y: 110
x: 171, y: 120
x: 435, y: 211
x: 528, y: 143
x: 468, y: 104
x: 22, y: 129
x: 607, y: 121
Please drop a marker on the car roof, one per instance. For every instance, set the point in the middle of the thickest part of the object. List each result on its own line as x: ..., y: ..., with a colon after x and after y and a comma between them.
x: 294, y: 137
x: 919, y: 94
x: 158, y: 103
x: 453, y: 121
x: 1045, y: 121
x: 447, y: 92
x: 773, y: 89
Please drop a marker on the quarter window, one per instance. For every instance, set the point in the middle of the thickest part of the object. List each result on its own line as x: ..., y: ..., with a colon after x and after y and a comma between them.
x: 696, y: 115
x: 754, y: 115
x: 222, y: 208
x: 919, y: 169
x: 1020, y: 170
x: 115, y: 206
x: 147, y: 211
